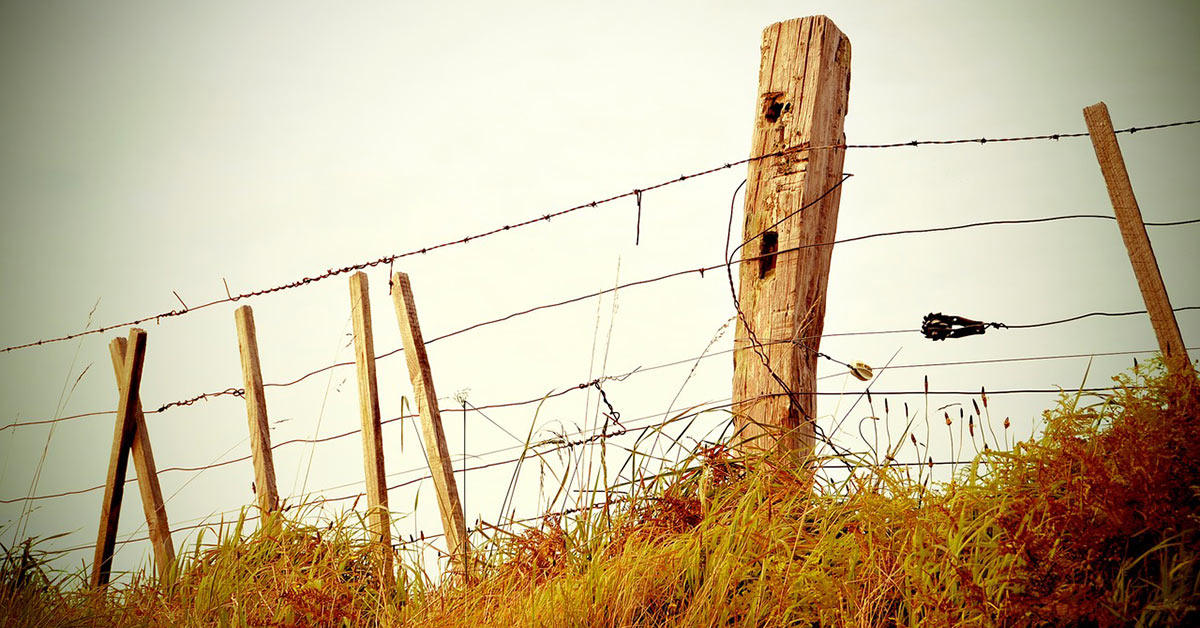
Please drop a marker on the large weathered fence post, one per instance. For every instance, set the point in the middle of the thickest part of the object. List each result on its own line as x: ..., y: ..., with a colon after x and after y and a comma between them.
x: 256, y: 412
x: 1137, y: 243
x: 791, y: 202
x: 379, y: 518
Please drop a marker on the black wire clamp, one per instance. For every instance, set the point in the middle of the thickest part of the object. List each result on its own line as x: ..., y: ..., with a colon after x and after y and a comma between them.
x: 938, y: 326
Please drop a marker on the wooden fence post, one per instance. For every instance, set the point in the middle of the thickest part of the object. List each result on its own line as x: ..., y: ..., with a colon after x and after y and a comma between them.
x: 440, y: 467
x: 256, y: 412
x: 129, y: 381
x: 147, y: 475
x: 1137, y: 243
x: 791, y: 201
x: 379, y: 517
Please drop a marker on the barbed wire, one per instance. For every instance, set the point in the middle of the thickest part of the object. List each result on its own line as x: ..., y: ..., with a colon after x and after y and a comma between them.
x: 676, y: 274
x: 238, y: 392
x: 634, y: 193
x: 622, y: 377
x: 422, y: 536
x: 567, y: 444
x: 389, y: 259
x: 1026, y: 138
x: 593, y: 383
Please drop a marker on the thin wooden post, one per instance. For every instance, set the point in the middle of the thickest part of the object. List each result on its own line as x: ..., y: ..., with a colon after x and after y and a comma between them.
x: 1137, y: 243
x: 438, y: 453
x: 379, y: 518
x: 791, y: 202
x: 129, y: 383
x: 256, y: 412
x: 147, y: 475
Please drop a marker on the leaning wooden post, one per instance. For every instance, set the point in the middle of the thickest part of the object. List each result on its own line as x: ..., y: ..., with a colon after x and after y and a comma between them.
x: 440, y: 467
x: 129, y: 383
x: 379, y: 518
x: 791, y: 202
x: 1137, y: 243
x: 147, y: 475
x: 256, y: 412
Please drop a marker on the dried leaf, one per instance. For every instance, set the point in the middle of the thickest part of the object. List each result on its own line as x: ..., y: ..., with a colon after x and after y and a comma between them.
x: 861, y: 371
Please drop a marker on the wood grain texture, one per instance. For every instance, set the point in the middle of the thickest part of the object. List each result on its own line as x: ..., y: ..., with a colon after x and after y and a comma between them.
x: 129, y: 382
x: 379, y: 518
x: 438, y: 453
x: 1133, y: 232
x: 804, y: 84
x: 147, y: 476
x: 256, y: 412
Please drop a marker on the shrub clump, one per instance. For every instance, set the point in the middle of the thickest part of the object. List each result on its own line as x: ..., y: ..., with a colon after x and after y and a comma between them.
x: 1095, y: 523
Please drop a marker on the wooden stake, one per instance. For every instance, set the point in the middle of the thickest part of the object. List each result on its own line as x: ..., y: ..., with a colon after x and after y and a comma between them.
x: 440, y: 467
x: 1137, y: 243
x: 129, y: 383
x: 147, y: 476
x: 791, y: 201
x: 256, y: 412
x: 379, y: 517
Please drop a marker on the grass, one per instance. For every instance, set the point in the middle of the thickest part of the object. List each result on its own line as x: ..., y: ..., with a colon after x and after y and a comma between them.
x: 1095, y: 523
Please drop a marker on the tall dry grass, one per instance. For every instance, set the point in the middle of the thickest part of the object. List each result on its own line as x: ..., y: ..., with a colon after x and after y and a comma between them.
x: 1095, y: 523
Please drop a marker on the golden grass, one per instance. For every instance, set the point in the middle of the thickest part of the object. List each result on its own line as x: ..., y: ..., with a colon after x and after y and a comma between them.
x: 1096, y: 523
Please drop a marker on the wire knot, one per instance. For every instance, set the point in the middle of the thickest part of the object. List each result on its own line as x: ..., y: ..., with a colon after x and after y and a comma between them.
x: 612, y: 413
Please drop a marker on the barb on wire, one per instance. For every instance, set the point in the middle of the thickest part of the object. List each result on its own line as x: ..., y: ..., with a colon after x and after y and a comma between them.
x: 236, y: 392
x: 637, y: 236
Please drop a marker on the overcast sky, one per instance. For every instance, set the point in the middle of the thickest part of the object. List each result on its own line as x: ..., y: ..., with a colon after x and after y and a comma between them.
x: 149, y: 148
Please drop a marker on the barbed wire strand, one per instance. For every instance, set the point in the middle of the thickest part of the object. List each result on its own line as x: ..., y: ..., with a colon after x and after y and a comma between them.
x: 634, y: 193
x: 238, y: 392
x: 638, y: 370
x: 424, y: 537
x: 1026, y: 138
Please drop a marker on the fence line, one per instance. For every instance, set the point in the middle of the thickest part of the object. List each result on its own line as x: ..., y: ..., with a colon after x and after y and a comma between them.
x: 634, y: 193
x: 562, y: 442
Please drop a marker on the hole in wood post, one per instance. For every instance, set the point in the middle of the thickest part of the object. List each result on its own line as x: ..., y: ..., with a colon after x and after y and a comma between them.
x: 773, y: 106
x: 766, y: 262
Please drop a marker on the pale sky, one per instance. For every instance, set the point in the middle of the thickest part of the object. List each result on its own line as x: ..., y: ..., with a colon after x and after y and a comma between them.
x: 152, y: 147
